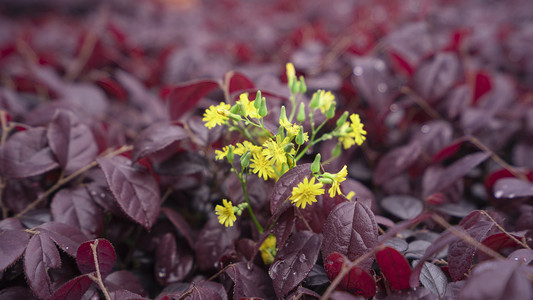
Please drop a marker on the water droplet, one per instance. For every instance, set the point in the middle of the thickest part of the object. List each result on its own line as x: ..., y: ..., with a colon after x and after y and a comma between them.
x: 382, y: 87
x: 498, y: 194
x: 273, y: 271
x: 294, y: 273
x: 380, y: 65
x: 393, y: 107
x: 102, y: 195
x: 424, y: 129
x: 93, y: 193
x: 511, y: 195
x: 358, y: 71
x: 302, y: 258
x: 162, y: 273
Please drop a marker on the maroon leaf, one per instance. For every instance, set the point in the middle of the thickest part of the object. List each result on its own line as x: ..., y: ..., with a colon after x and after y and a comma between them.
x: 71, y: 141
x: 250, y: 282
x: 73, y: 289
x: 404, y: 207
x: 180, y: 224
x: 125, y: 295
x: 26, y: 153
x: 434, y: 136
x: 395, y: 268
x: 124, y: 280
x: 98, y: 252
x: 171, y: 263
x: 524, y: 256
x: 239, y: 82
x: 357, y: 281
x: 449, y: 150
x: 134, y: 189
x: 67, y: 237
x: 350, y: 230
x: 40, y: 256
x: 396, y: 162
x: 155, y: 138
x: 500, y: 242
x: 76, y: 208
x: 512, y: 188
x: 17, y: 293
x: 461, y: 253
x: 437, y: 75
x: 204, y: 290
x: 499, y: 280
x: 183, y: 97
x: 214, y: 241
x: 482, y: 85
x: 283, y: 187
x: 294, y: 261
x: 373, y: 81
x: 13, y: 244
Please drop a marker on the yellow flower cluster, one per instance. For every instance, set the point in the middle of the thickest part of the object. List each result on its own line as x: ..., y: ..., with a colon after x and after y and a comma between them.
x: 352, y: 133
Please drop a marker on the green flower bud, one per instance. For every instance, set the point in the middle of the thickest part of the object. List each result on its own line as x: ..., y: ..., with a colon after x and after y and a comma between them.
x: 300, y: 137
x: 330, y: 113
x: 303, y: 87
x: 283, y: 114
x: 325, y: 180
x: 263, y: 111
x: 235, y: 109
x: 336, y: 151
x: 301, y: 113
x: 281, y: 132
x: 287, y: 148
x: 257, y: 101
x: 342, y: 119
x: 315, y: 100
x: 294, y: 86
x: 315, y: 167
x: 230, y: 154
x: 245, y: 159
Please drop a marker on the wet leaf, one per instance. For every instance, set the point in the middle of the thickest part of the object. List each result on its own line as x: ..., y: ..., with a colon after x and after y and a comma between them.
x: 250, y: 282
x: 357, y: 281
x: 73, y: 289
x: 214, y: 241
x: 67, y: 237
x: 512, y: 188
x: 172, y: 263
x: 436, y: 76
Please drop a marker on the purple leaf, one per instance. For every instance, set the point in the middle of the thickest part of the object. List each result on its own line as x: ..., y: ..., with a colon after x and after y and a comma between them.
x: 373, y: 81
x: 76, y: 208
x: 512, y: 188
x: 294, y: 261
x: 26, y: 154
x: 524, y: 256
x: 436, y: 76
x: 71, y: 141
x: 13, y: 244
x: 135, y: 190
x: 155, y: 138
x: 124, y: 280
x: 183, y: 97
x: 396, y: 162
x: 499, y: 280
x: 402, y: 206
x: 350, y: 230
x: 11, y: 224
x: 315, y: 215
x: 434, y: 136
x: 453, y: 173
x: 103, y: 255
x: 73, y: 289
x: 67, y: 237
x: 239, y: 82
x: 125, y: 295
x: 181, y: 224
x: 204, y: 290
x: 283, y: 187
x: 172, y: 263
x: 16, y: 293
x: 40, y: 256
x: 214, y: 241
x: 434, y: 279
x: 461, y: 253
x: 250, y: 282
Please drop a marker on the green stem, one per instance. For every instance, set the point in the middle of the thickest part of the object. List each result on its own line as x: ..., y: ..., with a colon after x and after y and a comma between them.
x: 243, y: 185
x: 293, y: 107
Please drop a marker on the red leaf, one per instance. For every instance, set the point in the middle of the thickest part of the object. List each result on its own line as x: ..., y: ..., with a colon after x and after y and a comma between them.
x: 250, y: 282
x: 182, y: 98
x: 172, y: 263
x: 155, y: 138
x: 103, y: 255
x: 357, y: 281
x: 40, y: 256
x: 135, y: 190
x: 448, y: 151
x: 67, y: 237
x: 239, y: 82
x: 73, y: 289
x: 482, y: 85
x: 181, y: 224
x: 396, y: 162
x: 71, y: 141
x: 395, y: 268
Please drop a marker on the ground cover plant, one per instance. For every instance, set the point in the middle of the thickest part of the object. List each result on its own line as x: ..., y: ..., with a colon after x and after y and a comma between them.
x: 252, y: 150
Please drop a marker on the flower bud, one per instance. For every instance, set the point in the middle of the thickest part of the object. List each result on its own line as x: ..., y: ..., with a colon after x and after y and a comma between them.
x: 301, y: 113
x: 300, y: 137
x: 342, y: 119
x: 245, y: 159
x: 315, y: 167
x: 263, y: 111
x: 257, y: 101
x: 302, y: 86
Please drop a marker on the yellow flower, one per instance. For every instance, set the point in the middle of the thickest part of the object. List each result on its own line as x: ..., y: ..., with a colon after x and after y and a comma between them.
x: 325, y: 100
x: 226, y: 214
x: 306, y: 192
x: 221, y: 154
x: 337, y: 179
x: 261, y: 166
x: 291, y: 72
x: 358, y: 131
x: 216, y: 115
x: 292, y: 129
x: 273, y: 150
x: 248, y: 106
x: 268, y: 250
x: 241, y: 148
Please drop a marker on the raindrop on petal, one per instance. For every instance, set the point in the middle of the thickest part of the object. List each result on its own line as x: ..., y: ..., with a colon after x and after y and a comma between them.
x: 498, y: 194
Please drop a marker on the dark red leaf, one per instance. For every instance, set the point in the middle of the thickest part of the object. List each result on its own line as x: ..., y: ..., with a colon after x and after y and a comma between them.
x: 67, y: 237
x: 294, y: 261
x: 239, y: 82
x: 482, y: 85
x: 213, y: 242
x: 396, y: 162
x: 433, y: 136
x: 373, y: 81
x: 71, y: 141
x: 98, y: 252
x: 315, y: 216
x: 250, y: 282
x: 500, y: 242
x: 395, y: 268
x: 40, y: 256
x: 302, y: 292
x: 13, y: 244
x: 26, y: 153
x: 125, y: 295
x: 124, y: 280
x: 155, y: 138
x: 182, y: 98
x: 448, y: 151
x: 112, y: 88
x: 357, y: 281
x: 181, y: 224
x: 350, y: 230
x: 499, y: 280
x: 279, y: 200
x: 404, y: 207
x: 73, y: 289
x: 134, y: 189
x: 75, y: 207
x: 172, y: 263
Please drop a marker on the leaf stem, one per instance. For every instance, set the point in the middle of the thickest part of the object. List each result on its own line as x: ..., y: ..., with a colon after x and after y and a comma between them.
x: 243, y: 185
x: 98, y: 278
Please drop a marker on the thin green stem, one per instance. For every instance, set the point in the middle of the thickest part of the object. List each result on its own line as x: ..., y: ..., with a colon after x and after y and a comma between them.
x: 243, y: 185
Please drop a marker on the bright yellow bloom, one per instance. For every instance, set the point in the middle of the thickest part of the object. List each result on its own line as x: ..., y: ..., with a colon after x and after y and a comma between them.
x: 268, y: 250
x: 291, y: 72
x: 306, y: 192
x: 325, y: 100
x: 261, y: 166
x: 358, y: 131
x: 226, y: 214
x: 248, y: 106
x: 241, y: 148
x: 273, y: 150
x: 346, y: 140
x: 216, y: 115
x: 337, y: 179
x: 221, y: 154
